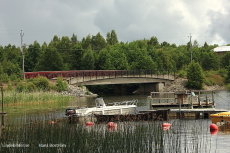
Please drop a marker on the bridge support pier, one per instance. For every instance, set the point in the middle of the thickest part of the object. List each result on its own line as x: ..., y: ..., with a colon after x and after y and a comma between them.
x: 159, y: 87
x: 150, y: 87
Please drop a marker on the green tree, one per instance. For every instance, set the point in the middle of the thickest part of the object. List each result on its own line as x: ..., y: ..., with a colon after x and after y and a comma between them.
x: 54, y: 42
x: 153, y: 41
x: 13, y: 69
x: 64, y: 48
x: 112, y: 38
x: 32, y: 56
x: 105, y: 60
x: 225, y: 60
x: 165, y: 44
x: 77, y: 57
x: 88, y: 60
x: 86, y: 42
x: 98, y: 42
x: 210, y: 61
x: 73, y: 40
x: 50, y: 60
x: 195, y: 76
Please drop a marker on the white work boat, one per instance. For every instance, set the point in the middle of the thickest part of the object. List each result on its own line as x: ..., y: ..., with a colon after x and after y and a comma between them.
x: 115, y: 108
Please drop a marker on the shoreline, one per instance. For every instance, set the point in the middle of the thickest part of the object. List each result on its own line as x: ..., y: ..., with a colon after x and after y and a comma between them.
x: 179, y: 85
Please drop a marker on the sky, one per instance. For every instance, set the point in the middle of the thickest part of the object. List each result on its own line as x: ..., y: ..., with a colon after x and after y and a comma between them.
x: 172, y: 21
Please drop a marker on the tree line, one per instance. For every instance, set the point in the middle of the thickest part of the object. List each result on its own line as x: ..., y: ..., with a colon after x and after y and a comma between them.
x: 94, y: 52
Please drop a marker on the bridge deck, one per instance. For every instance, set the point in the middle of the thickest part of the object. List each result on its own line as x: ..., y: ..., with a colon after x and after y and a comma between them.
x: 85, y: 76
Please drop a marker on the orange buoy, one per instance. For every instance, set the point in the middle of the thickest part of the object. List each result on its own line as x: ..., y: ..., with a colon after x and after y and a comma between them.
x: 52, y: 122
x: 213, y: 127
x: 166, y: 125
x: 112, y: 124
x: 89, y: 123
x: 166, y: 128
x: 112, y: 128
x: 213, y: 132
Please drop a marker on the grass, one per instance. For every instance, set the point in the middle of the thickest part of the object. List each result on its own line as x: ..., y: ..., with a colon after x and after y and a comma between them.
x: 17, y: 98
x: 127, y: 137
x: 215, y: 79
x: 16, y: 103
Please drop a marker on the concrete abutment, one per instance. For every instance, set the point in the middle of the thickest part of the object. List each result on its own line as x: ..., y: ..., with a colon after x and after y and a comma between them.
x: 150, y: 87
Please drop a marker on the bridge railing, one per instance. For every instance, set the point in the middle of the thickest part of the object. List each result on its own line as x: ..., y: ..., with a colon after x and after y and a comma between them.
x: 88, y: 75
x: 101, y: 74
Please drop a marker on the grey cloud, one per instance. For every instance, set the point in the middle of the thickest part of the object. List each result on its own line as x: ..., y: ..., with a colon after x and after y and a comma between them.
x: 168, y: 20
x: 139, y: 20
x: 220, y: 25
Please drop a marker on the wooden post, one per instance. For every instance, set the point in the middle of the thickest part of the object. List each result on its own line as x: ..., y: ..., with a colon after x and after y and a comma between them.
x: 2, y: 113
x: 213, y: 99
x: 167, y: 100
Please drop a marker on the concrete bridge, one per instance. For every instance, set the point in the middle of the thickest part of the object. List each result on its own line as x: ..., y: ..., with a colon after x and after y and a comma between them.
x: 149, y: 80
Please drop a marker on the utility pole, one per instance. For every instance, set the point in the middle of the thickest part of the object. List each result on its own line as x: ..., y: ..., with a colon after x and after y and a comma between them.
x: 190, y: 47
x: 23, y: 74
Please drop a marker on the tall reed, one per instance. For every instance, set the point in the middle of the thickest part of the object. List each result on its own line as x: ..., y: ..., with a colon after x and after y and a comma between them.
x: 127, y: 137
x: 14, y: 97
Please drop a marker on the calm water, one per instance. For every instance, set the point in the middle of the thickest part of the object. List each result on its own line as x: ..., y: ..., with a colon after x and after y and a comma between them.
x: 33, y: 132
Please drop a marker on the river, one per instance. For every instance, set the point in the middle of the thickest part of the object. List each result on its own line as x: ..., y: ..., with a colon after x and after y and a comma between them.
x: 186, y: 136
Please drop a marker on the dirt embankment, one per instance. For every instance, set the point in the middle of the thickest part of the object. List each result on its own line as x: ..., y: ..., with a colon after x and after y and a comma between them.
x: 179, y: 85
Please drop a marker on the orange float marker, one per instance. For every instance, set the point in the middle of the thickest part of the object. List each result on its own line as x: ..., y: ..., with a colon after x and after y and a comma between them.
x: 89, y: 123
x: 166, y: 126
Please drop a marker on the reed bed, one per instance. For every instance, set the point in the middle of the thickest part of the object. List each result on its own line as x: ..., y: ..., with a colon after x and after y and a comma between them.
x: 17, y: 98
x: 48, y: 133
x: 19, y: 103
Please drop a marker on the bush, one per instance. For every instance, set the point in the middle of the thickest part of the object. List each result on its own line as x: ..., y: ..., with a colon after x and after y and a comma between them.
x: 227, y: 78
x: 207, y: 73
x: 53, y: 87
x: 21, y: 87
x: 182, y: 74
x: 61, y: 85
x: 223, y: 72
x: 81, y: 86
x: 14, y: 78
x: 209, y: 82
x: 4, y: 77
x: 228, y: 86
x: 42, y: 83
x: 9, y: 85
x: 30, y: 87
x: 87, y: 93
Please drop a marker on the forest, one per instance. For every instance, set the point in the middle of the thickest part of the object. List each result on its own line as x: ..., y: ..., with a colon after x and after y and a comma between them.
x: 94, y: 52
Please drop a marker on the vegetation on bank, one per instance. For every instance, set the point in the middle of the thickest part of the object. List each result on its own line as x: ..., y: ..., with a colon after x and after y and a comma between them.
x: 94, y: 52
x: 35, y: 91
x: 23, y: 98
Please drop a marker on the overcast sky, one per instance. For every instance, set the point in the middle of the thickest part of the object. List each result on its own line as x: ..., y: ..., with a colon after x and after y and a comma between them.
x: 168, y: 20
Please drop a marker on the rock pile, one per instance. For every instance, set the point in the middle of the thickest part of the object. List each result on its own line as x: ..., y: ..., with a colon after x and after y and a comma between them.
x: 179, y: 85
x: 78, y: 91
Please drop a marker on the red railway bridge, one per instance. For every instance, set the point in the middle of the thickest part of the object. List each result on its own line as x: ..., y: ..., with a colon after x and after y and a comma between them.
x: 148, y: 79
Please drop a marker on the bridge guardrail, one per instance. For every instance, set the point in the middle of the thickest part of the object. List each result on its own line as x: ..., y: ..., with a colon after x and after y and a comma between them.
x: 88, y: 75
